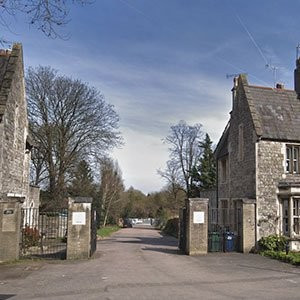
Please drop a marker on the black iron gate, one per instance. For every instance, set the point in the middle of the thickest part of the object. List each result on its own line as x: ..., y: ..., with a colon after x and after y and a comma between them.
x: 43, y: 234
x: 224, y: 230
x: 182, y: 229
x: 93, y: 231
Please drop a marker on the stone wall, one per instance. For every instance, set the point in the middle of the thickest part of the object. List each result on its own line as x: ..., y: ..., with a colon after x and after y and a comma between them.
x: 33, y: 198
x: 248, y: 234
x: 240, y: 181
x: 212, y: 196
x: 241, y: 169
x: 270, y: 170
x: 14, y: 159
x: 223, y: 184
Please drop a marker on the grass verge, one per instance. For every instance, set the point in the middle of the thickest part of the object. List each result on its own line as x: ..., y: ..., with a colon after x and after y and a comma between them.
x: 107, y: 230
x: 292, y: 257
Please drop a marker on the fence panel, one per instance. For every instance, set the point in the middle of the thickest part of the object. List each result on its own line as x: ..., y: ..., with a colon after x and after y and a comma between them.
x: 44, y: 234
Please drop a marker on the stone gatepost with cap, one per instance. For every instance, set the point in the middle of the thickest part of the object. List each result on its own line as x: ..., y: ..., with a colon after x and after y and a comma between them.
x: 196, y: 226
x: 248, y: 238
x: 10, y: 227
x: 79, y: 228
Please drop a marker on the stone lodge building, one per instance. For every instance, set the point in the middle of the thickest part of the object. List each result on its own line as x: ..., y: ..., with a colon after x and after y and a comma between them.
x: 258, y: 158
x: 15, y: 143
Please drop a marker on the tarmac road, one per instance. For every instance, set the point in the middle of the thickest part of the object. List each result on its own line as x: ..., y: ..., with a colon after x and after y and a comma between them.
x: 139, y: 263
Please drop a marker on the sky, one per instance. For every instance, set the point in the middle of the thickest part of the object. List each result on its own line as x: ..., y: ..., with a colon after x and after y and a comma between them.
x: 162, y: 61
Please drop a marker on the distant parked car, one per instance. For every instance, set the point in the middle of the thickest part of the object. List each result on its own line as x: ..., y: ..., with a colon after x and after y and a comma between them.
x: 127, y: 223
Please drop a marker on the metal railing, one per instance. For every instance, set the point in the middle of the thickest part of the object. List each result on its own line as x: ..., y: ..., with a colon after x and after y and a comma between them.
x: 43, y: 234
x: 224, y: 226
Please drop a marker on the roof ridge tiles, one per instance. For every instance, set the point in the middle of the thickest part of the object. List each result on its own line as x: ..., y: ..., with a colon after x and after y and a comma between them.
x: 271, y: 88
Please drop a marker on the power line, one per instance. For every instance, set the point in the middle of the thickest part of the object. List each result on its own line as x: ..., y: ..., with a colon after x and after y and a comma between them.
x: 241, y: 70
x: 137, y: 10
x: 252, y: 39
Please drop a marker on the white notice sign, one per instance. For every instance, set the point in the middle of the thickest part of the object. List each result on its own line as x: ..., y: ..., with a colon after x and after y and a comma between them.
x: 78, y: 218
x: 198, y: 217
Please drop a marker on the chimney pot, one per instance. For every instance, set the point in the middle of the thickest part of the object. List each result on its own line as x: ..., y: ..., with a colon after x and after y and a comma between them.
x: 279, y: 86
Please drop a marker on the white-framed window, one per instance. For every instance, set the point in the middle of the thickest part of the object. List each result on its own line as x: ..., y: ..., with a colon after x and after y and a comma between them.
x: 285, y: 217
x: 290, y: 219
x: 292, y: 159
x: 296, y: 215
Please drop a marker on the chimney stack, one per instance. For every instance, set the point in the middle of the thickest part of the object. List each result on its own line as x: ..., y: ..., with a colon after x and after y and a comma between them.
x: 233, y: 90
x: 297, y: 77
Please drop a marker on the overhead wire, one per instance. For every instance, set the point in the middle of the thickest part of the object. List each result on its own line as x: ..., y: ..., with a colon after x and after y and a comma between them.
x: 252, y: 39
x: 221, y: 59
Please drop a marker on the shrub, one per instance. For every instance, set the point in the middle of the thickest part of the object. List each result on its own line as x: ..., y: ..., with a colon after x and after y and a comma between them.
x: 291, y: 257
x: 272, y: 243
x: 161, y: 218
x: 172, y: 227
x: 31, y: 236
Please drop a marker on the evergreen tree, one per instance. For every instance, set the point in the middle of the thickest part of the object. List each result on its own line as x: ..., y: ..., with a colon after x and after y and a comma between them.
x: 195, y: 182
x: 82, y: 184
x: 207, y: 167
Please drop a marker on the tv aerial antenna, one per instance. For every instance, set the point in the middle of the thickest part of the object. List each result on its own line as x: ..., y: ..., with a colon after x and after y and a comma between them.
x: 274, y: 70
x: 234, y: 75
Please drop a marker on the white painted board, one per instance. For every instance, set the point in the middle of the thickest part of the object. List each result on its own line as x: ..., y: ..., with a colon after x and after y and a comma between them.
x: 78, y: 218
x: 198, y: 217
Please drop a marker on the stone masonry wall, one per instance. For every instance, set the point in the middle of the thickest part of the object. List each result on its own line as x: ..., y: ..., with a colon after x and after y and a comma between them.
x: 270, y: 162
x: 34, y: 197
x: 241, y: 172
x: 211, y: 195
x: 223, y: 185
x: 1, y: 155
x: 14, y: 159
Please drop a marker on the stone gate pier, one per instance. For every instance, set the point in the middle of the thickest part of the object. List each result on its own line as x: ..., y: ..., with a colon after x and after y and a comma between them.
x: 196, y: 226
x: 79, y: 228
x: 10, y: 223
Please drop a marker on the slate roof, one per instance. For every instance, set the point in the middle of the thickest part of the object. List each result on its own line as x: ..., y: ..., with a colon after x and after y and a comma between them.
x: 3, y: 63
x: 275, y: 112
x: 222, y: 146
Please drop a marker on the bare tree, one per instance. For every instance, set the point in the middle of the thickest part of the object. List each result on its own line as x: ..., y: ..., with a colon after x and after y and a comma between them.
x: 110, y: 188
x: 69, y: 121
x: 183, y: 140
x: 173, y: 178
x: 38, y: 167
x: 45, y: 15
